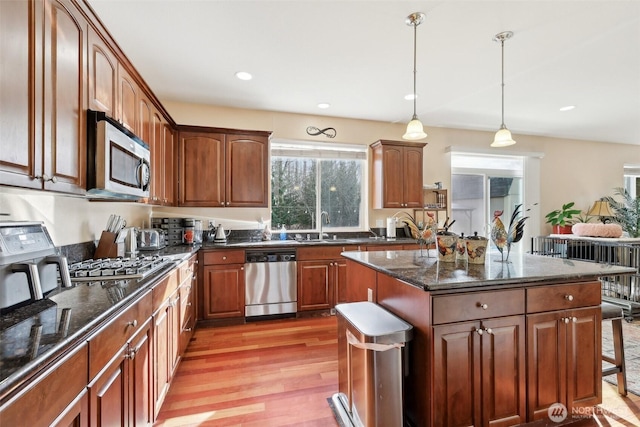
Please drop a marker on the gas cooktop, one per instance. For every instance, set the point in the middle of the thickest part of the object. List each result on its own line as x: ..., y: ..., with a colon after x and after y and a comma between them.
x: 117, y: 268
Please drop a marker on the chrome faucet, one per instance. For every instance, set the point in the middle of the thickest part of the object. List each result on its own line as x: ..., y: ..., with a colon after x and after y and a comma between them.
x: 323, y: 214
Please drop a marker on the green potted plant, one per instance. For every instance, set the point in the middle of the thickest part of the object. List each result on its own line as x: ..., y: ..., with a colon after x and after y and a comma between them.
x: 627, y: 211
x: 561, y: 219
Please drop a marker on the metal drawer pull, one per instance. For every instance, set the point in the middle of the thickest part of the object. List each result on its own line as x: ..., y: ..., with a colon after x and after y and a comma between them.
x: 484, y: 306
x: 568, y: 297
x: 480, y: 331
x: 133, y: 323
x: 575, y: 320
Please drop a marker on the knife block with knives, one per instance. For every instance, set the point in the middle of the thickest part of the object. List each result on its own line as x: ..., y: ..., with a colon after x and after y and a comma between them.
x: 111, y: 244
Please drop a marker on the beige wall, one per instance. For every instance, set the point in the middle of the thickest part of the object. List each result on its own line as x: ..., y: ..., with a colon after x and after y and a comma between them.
x: 571, y: 170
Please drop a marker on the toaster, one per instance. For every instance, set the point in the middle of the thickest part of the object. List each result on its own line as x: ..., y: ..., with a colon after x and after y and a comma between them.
x: 150, y: 239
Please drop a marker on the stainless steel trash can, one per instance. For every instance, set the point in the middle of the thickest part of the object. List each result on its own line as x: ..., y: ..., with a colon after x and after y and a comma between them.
x: 371, y: 346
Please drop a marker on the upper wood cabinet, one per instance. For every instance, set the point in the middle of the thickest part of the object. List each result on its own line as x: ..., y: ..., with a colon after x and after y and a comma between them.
x: 221, y: 168
x: 127, y: 100
x: 42, y: 125
x: 397, y: 174
x: 103, y: 75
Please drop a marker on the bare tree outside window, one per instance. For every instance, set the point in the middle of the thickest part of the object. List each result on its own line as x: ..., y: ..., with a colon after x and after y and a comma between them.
x: 301, y: 188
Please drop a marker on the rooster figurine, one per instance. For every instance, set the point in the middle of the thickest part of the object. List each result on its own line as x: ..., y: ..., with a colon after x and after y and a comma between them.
x: 502, y: 237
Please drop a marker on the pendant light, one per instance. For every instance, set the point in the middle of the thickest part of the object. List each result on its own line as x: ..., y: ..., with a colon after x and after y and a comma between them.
x: 503, y: 136
x: 414, y: 127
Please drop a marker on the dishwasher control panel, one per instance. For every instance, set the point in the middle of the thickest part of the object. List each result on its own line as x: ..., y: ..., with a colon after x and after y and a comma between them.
x: 274, y: 255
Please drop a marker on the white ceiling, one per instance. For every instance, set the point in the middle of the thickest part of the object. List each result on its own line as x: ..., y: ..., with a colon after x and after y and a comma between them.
x: 358, y: 56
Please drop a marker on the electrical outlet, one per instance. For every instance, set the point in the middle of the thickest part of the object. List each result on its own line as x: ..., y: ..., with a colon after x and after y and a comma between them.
x: 369, y: 294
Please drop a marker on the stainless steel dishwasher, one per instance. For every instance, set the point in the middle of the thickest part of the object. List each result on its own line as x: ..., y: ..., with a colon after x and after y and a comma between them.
x: 270, y: 282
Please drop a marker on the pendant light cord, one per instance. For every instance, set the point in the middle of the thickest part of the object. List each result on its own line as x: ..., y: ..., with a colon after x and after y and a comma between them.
x: 502, y: 44
x: 415, y: 41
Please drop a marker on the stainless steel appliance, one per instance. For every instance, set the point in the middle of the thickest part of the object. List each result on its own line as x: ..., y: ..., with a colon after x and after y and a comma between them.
x: 117, y: 268
x: 118, y: 162
x: 151, y: 239
x: 270, y: 282
x: 30, y: 265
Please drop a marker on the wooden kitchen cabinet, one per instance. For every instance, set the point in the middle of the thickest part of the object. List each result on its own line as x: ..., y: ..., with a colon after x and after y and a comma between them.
x: 322, y: 276
x: 397, y: 174
x: 120, y: 368
x: 169, y: 167
x: 57, y: 397
x: 162, y: 162
x: 103, y: 75
x: 479, y: 372
x: 223, y: 284
x: 222, y: 167
x: 42, y: 131
x: 127, y: 102
x: 564, y: 347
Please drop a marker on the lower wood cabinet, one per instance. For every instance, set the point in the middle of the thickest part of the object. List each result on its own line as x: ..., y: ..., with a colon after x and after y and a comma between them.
x: 223, y: 284
x: 120, y: 391
x: 564, y: 350
x: 57, y: 397
x: 479, y: 373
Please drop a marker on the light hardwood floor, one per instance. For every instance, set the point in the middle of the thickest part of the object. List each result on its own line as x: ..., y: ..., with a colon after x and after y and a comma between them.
x: 280, y: 373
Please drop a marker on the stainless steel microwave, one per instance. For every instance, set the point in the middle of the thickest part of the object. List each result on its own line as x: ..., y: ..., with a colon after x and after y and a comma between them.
x: 118, y: 162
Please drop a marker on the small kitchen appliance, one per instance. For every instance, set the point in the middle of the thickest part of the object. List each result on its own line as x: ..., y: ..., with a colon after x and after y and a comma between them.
x: 221, y: 235
x: 151, y: 239
x: 30, y: 264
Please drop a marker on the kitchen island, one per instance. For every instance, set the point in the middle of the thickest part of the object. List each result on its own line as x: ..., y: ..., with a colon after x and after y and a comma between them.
x: 496, y: 343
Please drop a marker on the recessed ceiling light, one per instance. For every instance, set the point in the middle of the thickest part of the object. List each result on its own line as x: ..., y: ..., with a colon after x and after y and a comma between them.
x: 243, y: 75
x: 324, y: 105
x: 567, y: 108
x: 411, y: 96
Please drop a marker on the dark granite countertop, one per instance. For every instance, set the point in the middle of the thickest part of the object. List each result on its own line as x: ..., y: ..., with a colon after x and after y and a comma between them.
x: 432, y: 275
x: 34, y: 336
x: 240, y: 244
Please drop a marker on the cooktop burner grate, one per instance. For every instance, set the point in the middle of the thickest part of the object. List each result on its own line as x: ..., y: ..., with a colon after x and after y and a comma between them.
x: 117, y: 268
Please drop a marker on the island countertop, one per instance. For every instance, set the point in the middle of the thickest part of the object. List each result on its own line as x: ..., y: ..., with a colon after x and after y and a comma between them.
x: 429, y: 274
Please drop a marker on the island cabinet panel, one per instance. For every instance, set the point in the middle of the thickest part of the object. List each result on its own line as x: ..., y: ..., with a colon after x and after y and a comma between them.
x: 477, y: 305
x: 361, y: 283
x: 564, y: 360
x: 57, y: 397
x: 479, y: 373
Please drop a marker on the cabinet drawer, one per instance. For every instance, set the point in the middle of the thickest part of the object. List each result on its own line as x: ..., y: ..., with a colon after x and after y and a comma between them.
x: 323, y: 252
x: 186, y: 269
x: 164, y: 289
x: 111, y: 338
x: 224, y: 257
x: 561, y: 297
x: 477, y: 305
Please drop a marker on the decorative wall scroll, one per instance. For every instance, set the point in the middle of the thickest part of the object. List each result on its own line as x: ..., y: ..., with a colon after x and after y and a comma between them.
x: 328, y: 132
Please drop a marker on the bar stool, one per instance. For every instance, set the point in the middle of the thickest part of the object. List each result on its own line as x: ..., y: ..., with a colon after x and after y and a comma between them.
x: 616, y: 315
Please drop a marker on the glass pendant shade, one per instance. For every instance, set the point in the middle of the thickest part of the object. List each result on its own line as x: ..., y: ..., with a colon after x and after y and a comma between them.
x: 415, y: 130
x: 503, y: 138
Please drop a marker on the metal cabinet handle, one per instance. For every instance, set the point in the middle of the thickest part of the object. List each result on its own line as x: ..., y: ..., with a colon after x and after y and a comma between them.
x: 489, y: 330
x: 484, y: 306
x: 133, y: 323
x: 575, y: 320
x: 189, y: 304
x: 568, y: 297
x: 187, y: 329
x: 224, y: 258
x: 566, y: 319
x: 480, y: 331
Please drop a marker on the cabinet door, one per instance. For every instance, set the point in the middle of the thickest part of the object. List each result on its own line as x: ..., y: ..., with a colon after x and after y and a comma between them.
x: 145, y: 124
x: 20, y: 150
x: 412, y: 177
x: 156, y: 193
x: 340, y: 275
x: 162, y: 351
x: 503, y: 371
x: 202, y: 169
x: 103, y: 75
x: 140, y: 374
x: 168, y: 151
x: 456, y: 367
x: 393, y: 177
x: 65, y: 46
x: 546, y: 362
x: 584, y: 352
x: 223, y: 291
x: 187, y: 315
x: 76, y: 414
x: 315, y: 285
x: 108, y: 393
x: 127, y: 99
x: 247, y: 171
